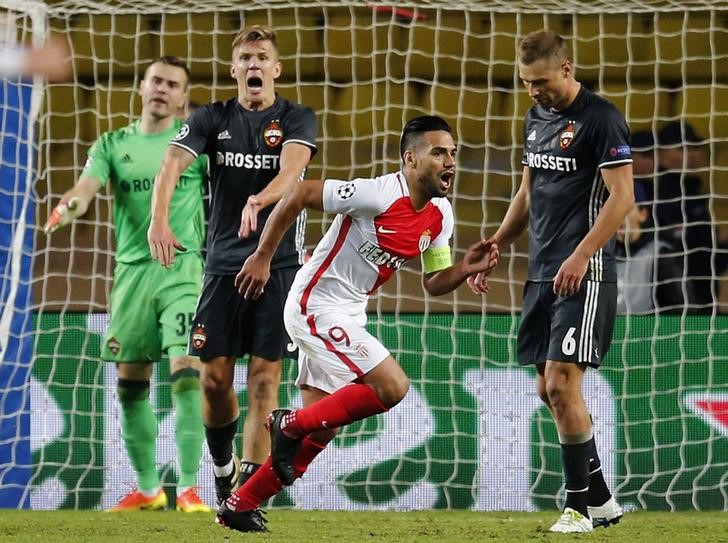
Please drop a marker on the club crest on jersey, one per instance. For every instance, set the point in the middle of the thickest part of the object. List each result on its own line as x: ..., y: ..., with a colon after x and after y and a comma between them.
x: 567, y: 136
x: 113, y: 345
x: 273, y: 134
x: 425, y: 240
x: 199, y: 337
x: 182, y: 132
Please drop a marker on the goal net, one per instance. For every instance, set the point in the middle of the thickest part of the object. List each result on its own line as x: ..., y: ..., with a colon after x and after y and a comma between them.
x: 471, y: 433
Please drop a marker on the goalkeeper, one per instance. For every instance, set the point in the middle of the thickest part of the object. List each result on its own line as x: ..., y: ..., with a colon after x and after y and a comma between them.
x: 151, y: 306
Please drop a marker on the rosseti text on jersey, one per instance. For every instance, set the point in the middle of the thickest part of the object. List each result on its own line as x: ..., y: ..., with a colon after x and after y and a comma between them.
x: 551, y: 162
x: 247, y: 161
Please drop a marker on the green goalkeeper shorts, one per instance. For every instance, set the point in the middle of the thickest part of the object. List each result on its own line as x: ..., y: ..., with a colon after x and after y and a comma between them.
x: 152, y: 308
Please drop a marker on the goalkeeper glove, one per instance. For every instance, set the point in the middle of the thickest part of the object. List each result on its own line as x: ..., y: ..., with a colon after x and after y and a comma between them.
x: 65, y: 212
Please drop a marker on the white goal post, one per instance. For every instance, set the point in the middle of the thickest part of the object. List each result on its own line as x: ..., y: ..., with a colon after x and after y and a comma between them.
x: 471, y: 433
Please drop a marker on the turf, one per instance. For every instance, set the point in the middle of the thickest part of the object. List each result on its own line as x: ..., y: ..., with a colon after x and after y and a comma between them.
x: 356, y: 527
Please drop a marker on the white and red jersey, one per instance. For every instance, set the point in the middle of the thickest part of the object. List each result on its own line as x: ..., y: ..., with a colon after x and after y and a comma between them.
x: 376, y: 230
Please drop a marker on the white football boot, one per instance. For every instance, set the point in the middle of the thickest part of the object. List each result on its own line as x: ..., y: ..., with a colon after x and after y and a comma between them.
x: 607, y: 514
x: 572, y: 521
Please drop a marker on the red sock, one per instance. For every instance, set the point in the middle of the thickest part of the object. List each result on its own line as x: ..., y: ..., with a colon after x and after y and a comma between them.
x: 346, y: 405
x: 264, y: 483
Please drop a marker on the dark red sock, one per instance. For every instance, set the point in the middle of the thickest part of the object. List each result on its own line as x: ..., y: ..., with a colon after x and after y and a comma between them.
x: 346, y: 405
x: 264, y: 483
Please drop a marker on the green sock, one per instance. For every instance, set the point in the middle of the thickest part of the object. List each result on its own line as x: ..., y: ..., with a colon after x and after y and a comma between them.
x: 139, y: 428
x: 189, y: 432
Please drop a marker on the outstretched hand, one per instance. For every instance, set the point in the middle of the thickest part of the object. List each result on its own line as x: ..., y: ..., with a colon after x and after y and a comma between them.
x: 65, y: 212
x: 249, y: 216
x: 481, y: 257
x: 480, y: 260
x: 253, y: 276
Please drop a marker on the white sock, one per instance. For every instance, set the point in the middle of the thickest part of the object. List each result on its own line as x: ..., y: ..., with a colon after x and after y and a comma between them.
x: 223, y: 471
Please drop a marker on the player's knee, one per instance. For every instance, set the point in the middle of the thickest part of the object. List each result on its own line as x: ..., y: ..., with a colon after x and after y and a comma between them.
x: 263, y: 388
x: 394, y: 391
x: 542, y: 393
x: 214, y: 385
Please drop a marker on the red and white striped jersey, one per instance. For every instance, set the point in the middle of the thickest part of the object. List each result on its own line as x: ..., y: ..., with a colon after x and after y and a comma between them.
x: 375, y: 231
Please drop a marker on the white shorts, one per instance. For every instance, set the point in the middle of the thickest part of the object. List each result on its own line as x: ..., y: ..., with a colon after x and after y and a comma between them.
x: 333, y: 349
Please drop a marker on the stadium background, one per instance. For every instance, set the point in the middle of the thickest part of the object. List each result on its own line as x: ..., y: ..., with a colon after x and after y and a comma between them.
x: 482, y: 442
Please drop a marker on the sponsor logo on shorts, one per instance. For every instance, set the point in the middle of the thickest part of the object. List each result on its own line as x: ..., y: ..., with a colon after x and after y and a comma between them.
x: 291, y: 347
x: 199, y: 337
x: 113, y: 345
x: 273, y: 134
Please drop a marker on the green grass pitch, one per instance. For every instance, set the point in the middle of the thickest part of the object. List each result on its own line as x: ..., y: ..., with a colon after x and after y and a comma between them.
x: 361, y: 526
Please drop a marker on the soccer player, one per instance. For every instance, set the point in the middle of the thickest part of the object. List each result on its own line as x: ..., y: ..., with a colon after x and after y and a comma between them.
x: 344, y: 373
x: 151, y: 307
x: 259, y: 144
x: 575, y: 192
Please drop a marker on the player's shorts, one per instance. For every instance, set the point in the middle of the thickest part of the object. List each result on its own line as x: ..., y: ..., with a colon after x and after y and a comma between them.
x: 575, y: 329
x: 334, y: 349
x: 151, y: 309
x: 226, y: 324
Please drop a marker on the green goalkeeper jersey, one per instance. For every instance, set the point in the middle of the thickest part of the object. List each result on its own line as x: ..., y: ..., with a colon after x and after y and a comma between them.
x: 130, y: 160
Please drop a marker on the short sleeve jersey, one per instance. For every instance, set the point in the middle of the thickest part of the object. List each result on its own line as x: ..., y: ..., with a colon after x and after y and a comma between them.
x: 564, y: 152
x: 376, y: 230
x: 244, y: 148
x: 129, y: 160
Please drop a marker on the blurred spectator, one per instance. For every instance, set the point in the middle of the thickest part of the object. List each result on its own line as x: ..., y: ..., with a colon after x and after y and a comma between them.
x: 680, y: 209
x: 52, y: 60
x: 643, y: 155
x: 650, y: 271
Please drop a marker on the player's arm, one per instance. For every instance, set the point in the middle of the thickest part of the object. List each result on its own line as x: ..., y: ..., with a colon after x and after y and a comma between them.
x: 294, y: 160
x: 73, y: 204
x: 256, y: 270
x: 620, y: 183
x: 516, y: 218
x: 480, y: 258
x: 513, y: 225
x: 162, y: 242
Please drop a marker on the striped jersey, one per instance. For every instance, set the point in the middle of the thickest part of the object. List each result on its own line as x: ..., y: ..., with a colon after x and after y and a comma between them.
x: 244, y: 149
x: 564, y: 152
x: 376, y: 230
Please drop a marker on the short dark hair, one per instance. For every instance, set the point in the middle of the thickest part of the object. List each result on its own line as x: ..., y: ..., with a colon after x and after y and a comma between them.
x: 171, y: 60
x: 418, y: 126
x: 543, y: 44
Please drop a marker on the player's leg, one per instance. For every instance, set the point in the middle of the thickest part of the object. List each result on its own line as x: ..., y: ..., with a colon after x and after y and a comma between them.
x: 338, y: 356
x: 263, y: 381
x: 215, y: 339
x: 176, y: 298
x: 241, y: 511
x: 580, y: 335
x: 132, y: 341
x: 261, y: 323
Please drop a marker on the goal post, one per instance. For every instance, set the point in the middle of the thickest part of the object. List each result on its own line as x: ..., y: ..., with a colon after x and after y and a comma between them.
x: 19, y: 103
x: 471, y: 433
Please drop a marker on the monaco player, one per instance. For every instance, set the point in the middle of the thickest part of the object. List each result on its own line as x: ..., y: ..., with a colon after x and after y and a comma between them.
x: 345, y: 373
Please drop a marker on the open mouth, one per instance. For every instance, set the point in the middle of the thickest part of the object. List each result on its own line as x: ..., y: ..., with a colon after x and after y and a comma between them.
x: 446, y: 178
x: 255, y: 83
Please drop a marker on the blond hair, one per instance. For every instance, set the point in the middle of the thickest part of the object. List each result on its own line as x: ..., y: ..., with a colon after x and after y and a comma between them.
x: 543, y: 44
x: 254, y: 33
